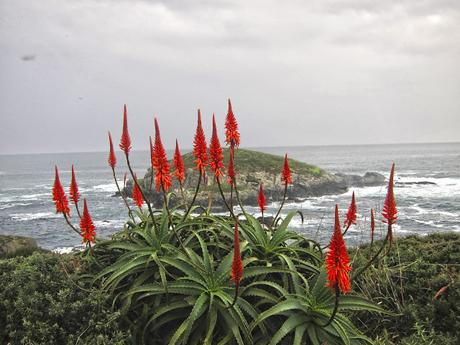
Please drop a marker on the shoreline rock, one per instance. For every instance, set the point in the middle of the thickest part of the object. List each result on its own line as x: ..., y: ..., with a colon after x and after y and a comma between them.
x: 252, y: 168
x: 11, y: 246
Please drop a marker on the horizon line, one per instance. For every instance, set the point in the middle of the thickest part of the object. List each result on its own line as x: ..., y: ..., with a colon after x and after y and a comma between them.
x: 243, y: 147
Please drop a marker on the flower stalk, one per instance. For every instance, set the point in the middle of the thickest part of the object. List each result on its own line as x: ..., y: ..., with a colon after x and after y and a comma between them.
x: 73, y: 191
x: 286, y: 178
x: 125, y: 146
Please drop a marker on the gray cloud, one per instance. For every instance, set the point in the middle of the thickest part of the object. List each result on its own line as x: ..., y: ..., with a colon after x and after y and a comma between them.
x: 328, y: 72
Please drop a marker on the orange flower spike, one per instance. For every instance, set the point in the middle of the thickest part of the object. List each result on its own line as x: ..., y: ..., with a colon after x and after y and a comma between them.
x: 389, y: 211
x: 112, y: 158
x: 231, y: 173
x: 125, y: 141
x: 261, y: 199
x: 232, y: 136
x: 351, y: 214
x: 137, y: 195
x: 88, y: 230
x: 237, y: 264
x: 286, y: 176
x: 160, y: 162
x: 215, y: 151
x: 73, y: 190
x: 389, y: 208
x: 372, y: 225
x: 179, y: 171
x: 200, y: 147
x: 59, y: 197
x: 337, y: 261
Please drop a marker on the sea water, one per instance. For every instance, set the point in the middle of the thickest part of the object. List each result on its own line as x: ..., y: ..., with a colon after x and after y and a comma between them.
x: 427, y: 190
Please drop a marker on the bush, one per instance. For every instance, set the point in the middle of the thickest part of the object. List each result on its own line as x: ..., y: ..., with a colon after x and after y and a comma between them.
x: 406, y: 282
x: 41, y: 302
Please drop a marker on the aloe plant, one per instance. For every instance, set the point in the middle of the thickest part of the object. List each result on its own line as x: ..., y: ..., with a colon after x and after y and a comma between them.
x: 181, y: 277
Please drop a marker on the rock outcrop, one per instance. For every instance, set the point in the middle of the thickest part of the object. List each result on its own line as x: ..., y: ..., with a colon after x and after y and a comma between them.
x: 368, y: 179
x: 11, y: 246
x: 252, y: 168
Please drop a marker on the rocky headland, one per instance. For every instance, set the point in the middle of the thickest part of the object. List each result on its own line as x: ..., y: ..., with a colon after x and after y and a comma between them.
x: 253, y: 167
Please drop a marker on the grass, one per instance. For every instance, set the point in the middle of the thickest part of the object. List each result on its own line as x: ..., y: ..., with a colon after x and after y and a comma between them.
x: 249, y: 161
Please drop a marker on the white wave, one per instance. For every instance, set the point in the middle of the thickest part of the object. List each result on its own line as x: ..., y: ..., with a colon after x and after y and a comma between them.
x: 26, y: 197
x: 438, y: 187
x: 397, y: 229
x: 46, y: 186
x: 326, y: 198
x: 428, y: 222
x: 67, y: 250
x: 445, y: 213
x: 304, y: 205
x: 456, y: 228
x: 34, y: 196
x: 4, y: 207
x: 366, y: 191
x: 440, y: 181
x: 419, y: 210
x: 108, y: 187
x: 112, y: 223
x: 32, y: 216
x: 7, y: 199
x: 405, y: 173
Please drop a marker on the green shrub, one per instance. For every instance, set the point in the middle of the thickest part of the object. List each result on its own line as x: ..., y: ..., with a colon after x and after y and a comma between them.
x: 41, y: 302
x: 406, y: 282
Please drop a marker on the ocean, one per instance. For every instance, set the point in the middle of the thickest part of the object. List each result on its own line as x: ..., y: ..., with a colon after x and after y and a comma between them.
x: 427, y: 190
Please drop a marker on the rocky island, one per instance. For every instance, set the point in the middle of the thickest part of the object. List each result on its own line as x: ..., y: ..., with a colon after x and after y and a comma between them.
x: 254, y: 167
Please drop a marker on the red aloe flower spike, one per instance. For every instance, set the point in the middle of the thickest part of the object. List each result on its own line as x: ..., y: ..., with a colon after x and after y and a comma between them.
x: 231, y: 173
x: 87, y: 226
x: 261, y: 200
x: 351, y: 214
x: 137, y: 195
x: 179, y: 165
x: 237, y: 264
x: 59, y: 197
x: 372, y: 226
x: 232, y: 136
x: 389, y: 208
x: 112, y: 158
x: 73, y: 190
x: 215, y: 151
x: 160, y: 162
x: 337, y: 261
x: 200, y: 147
x: 286, y: 176
x: 125, y: 141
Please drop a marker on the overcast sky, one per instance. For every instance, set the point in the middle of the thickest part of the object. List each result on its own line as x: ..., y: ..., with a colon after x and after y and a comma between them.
x: 298, y: 72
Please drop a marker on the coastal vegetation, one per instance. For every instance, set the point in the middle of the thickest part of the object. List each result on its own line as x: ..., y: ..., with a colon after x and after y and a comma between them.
x: 181, y: 274
x: 46, y: 299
